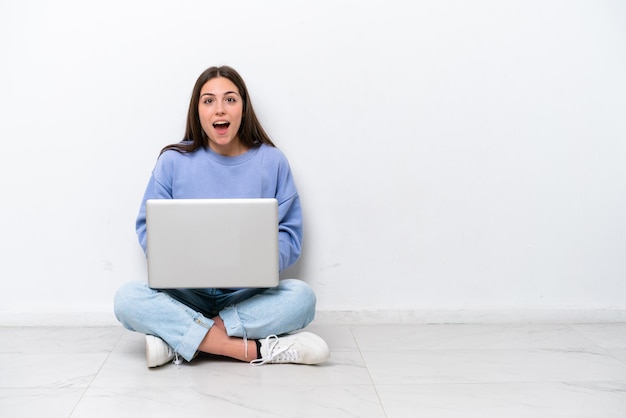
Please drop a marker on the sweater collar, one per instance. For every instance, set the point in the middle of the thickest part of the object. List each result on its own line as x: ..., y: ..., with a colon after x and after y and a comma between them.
x: 239, y: 159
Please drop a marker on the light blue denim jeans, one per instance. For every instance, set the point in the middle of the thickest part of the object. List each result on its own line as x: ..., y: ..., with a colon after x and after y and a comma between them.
x: 182, y: 317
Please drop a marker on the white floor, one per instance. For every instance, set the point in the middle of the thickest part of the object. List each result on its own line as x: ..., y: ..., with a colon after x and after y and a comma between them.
x: 375, y: 371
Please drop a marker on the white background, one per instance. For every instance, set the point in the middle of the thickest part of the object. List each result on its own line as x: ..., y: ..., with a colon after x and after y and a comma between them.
x: 451, y: 155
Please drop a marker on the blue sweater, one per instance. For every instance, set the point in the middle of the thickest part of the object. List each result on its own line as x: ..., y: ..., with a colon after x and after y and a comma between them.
x: 262, y: 172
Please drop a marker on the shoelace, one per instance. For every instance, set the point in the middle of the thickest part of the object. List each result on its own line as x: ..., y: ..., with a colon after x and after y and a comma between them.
x: 177, y: 360
x: 171, y: 353
x: 276, y: 354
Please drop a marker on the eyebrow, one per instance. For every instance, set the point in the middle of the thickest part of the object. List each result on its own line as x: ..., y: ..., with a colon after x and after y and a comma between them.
x: 225, y: 93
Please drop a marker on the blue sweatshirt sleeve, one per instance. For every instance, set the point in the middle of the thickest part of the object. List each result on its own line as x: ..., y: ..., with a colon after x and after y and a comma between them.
x: 154, y: 190
x: 289, y: 215
x: 289, y: 231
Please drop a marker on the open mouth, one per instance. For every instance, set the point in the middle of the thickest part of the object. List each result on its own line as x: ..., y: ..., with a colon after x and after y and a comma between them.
x: 221, y: 127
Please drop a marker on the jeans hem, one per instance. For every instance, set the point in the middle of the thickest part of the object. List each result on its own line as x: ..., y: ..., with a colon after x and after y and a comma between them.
x: 232, y: 322
x: 190, y: 342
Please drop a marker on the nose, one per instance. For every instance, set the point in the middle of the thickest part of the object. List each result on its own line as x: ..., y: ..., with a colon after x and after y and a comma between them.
x: 219, y: 108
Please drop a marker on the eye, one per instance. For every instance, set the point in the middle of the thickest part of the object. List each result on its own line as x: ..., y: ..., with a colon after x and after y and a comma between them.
x: 231, y: 100
x: 207, y: 101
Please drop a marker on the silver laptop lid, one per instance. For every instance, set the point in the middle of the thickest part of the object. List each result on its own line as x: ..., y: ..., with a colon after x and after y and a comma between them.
x: 212, y: 243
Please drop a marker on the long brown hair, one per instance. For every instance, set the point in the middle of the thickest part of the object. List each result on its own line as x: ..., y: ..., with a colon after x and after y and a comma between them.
x: 251, y: 133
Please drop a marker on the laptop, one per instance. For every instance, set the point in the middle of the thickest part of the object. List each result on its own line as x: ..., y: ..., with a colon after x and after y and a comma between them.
x: 212, y: 243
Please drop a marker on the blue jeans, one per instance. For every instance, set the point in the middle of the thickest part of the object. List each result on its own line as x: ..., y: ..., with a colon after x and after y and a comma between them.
x: 182, y: 317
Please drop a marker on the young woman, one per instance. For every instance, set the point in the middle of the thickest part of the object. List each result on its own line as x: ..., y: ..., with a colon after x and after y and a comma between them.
x: 225, y: 154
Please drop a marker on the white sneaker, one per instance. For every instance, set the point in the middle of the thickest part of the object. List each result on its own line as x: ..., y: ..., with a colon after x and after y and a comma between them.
x: 157, y: 351
x: 301, y: 348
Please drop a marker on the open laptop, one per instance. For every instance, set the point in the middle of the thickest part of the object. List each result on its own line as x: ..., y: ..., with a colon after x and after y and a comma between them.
x: 212, y: 243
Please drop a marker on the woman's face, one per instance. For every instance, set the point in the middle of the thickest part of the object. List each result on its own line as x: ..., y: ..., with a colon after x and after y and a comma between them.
x: 220, y: 110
